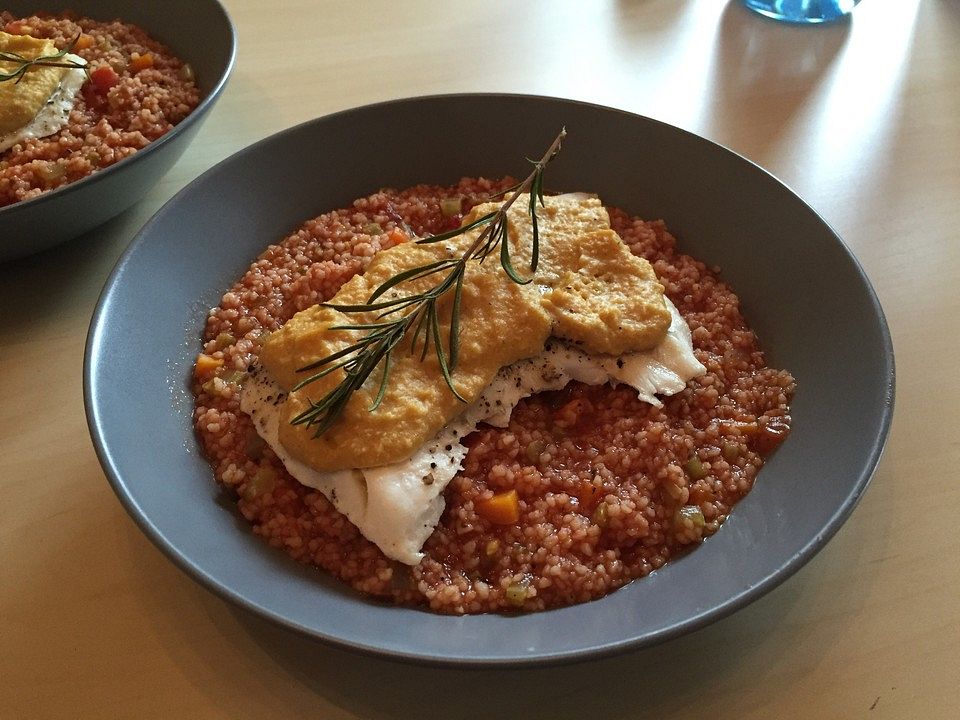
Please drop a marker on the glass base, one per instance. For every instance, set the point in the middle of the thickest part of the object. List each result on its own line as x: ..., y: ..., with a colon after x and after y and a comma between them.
x: 802, y: 11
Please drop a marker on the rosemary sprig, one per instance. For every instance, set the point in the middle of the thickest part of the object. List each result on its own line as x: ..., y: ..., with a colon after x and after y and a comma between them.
x: 418, y: 313
x: 23, y: 63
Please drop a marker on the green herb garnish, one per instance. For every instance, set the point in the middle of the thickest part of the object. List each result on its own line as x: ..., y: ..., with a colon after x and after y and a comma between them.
x: 23, y: 64
x: 418, y: 313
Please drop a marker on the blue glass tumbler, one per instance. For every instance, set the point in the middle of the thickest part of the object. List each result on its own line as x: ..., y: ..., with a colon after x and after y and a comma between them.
x: 802, y: 11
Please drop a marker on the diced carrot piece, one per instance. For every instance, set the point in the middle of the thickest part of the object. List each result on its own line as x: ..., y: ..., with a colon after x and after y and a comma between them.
x: 772, y: 432
x: 84, y: 42
x: 104, y: 78
x: 206, y: 365
x: 589, y: 495
x: 398, y: 236
x: 502, y: 509
x: 140, y: 62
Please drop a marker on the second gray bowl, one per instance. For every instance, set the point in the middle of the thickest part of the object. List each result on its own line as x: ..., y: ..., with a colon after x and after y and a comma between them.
x: 199, y: 32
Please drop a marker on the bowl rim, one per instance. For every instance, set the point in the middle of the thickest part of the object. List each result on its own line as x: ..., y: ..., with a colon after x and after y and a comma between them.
x: 194, y: 117
x: 735, y: 602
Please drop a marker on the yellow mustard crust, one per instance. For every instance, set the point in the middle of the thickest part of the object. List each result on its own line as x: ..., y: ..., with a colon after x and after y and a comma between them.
x: 588, y: 289
x: 598, y: 294
x: 21, y: 101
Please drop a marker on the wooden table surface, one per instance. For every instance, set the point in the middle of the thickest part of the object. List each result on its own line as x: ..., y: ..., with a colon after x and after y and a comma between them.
x: 862, y: 119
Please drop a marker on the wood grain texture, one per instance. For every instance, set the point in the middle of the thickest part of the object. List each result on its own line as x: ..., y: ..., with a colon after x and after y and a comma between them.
x: 861, y: 119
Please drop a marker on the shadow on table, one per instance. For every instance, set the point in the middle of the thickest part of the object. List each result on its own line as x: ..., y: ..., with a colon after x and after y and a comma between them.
x: 762, y: 73
x: 669, y: 680
x: 675, y: 679
x: 39, y: 285
x: 248, y: 667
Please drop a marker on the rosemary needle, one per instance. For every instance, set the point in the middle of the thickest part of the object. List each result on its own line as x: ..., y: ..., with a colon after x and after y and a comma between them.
x: 418, y: 314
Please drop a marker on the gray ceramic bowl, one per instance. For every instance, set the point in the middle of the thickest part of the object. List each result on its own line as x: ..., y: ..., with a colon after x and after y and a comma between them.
x: 775, y: 251
x: 198, y: 32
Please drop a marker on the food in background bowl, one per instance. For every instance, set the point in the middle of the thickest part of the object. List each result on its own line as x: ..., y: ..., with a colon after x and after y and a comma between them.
x: 583, y: 487
x: 200, y: 33
x: 78, y: 95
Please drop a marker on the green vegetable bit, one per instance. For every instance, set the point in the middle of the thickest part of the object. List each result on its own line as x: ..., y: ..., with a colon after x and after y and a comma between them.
x: 601, y: 516
x: 450, y: 206
x: 534, y: 449
x: 516, y: 594
x: 731, y: 451
x: 695, y: 468
x: 692, y: 513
